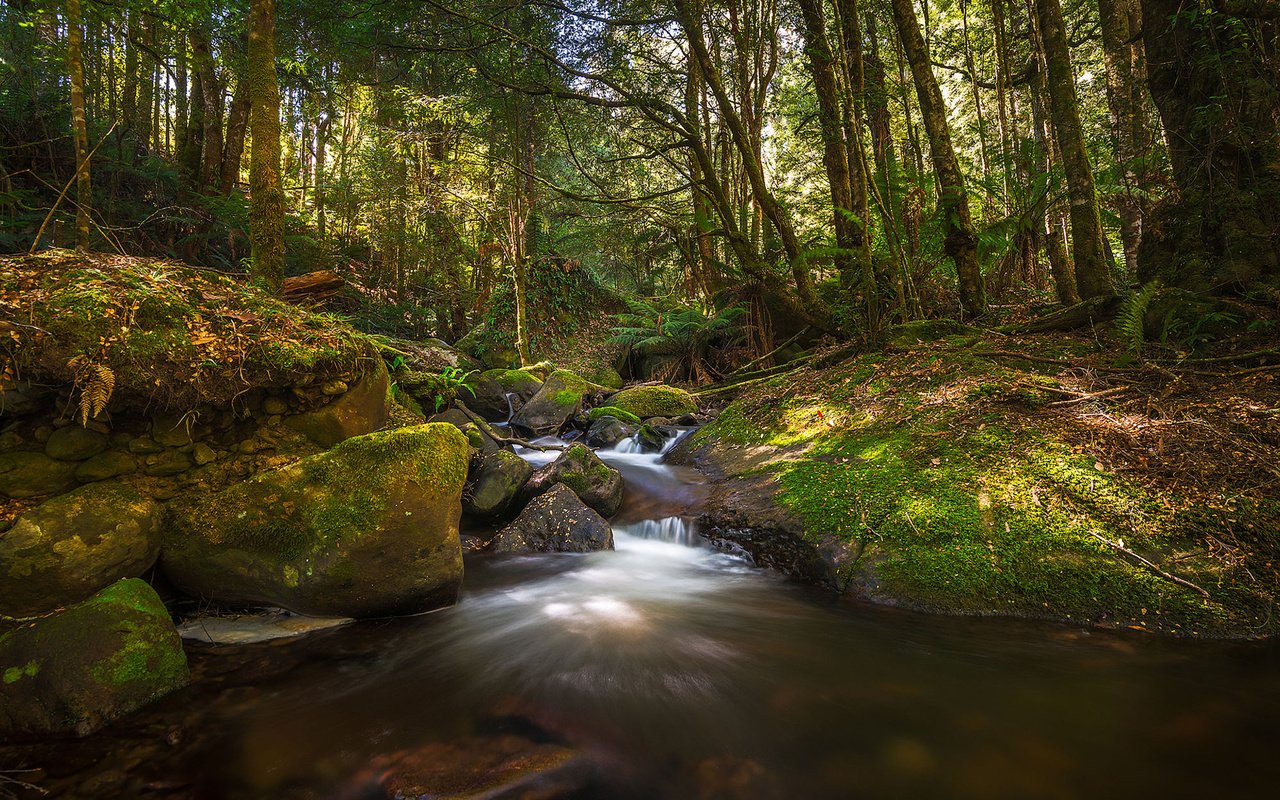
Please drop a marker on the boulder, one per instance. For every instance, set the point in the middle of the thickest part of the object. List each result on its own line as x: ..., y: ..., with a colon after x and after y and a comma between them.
x: 492, y: 351
x: 612, y: 411
x: 555, y: 522
x: 608, y: 431
x: 25, y: 474
x: 363, y: 409
x: 368, y: 528
x: 173, y: 430
x: 654, y: 401
x: 500, y: 477
x: 488, y: 398
x: 22, y: 398
x: 72, y: 545
x: 106, y: 465
x: 78, y: 669
x: 427, y: 355
x: 480, y: 437
x: 559, y: 399
x: 74, y: 443
x: 595, y: 482
x: 652, y: 438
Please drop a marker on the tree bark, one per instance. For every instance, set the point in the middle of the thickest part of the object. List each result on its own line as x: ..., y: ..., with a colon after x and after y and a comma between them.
x: 1093, y: 276
x: 210, y: 107
x: 79, y: 125
x: 266, y: 197
x: 233, y: 146
x: 961, y: 242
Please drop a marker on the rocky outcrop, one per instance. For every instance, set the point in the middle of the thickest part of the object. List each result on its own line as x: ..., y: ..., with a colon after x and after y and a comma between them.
x: 82, y: 667
x: 654, y: 401
x: 75, y: 544
x: 608, y: 431
x: 595, y: 482
x: 555, y: 522
x: 369, y: 528
x: 358, y: 410
x: 559, y: 399
x: 497, y: 482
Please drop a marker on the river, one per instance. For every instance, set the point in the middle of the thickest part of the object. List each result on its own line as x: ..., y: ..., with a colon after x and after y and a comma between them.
x: 671, y: 669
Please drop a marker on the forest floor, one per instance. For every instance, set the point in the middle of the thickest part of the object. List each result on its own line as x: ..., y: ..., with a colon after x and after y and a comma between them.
x: 984, y: 473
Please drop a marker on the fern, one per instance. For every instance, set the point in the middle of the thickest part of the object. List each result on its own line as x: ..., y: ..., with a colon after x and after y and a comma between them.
x: 1130, y: 319
x: 96, y: 383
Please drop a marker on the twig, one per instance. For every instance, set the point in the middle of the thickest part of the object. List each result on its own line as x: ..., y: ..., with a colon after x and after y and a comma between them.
x: 1150, y: 565
x: 36, y: 242
x: 1096, y: 395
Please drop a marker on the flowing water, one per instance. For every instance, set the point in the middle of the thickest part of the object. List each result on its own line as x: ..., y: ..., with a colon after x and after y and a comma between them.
x: 679, y: 671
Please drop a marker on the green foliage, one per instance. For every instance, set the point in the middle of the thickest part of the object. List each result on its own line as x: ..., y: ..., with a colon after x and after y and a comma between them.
x: 683, y: 333
x: 1131, y: 319
x: 440, y: 389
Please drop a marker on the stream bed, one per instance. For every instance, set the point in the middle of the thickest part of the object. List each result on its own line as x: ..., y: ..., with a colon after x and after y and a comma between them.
x: 670, y: 669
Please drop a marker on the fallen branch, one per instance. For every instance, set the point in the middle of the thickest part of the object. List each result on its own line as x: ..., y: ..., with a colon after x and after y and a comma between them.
x: 1150, y: 565
x: 1094, y: 396
x: 487, y: 429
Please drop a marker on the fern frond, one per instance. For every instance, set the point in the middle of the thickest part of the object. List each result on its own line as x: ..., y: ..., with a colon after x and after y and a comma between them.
x: 1130, y: 318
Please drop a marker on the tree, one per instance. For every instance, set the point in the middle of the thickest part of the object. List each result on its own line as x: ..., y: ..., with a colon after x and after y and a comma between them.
x: 79, y: 126
x: 1216, y: 83
x: 961, y: 242
x: 266, y: 197
x: 1093, y: 276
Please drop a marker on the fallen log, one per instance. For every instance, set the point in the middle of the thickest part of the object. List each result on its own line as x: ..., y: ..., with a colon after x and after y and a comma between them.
x: 313, y: 287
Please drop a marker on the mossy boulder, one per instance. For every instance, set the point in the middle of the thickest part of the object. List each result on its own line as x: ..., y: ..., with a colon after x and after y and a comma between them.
x: 480, y: 436
x: 595, y: 482
x: 654, y: 401
x: 106, y: 465
x: 78, y: 669
x: 612, y: 411
x: 490, y: 350
x: 559, y: 399
x: 24, y: 474
x: 555, y: 522
x: 368, y: 528
x: 74, y: 443
x: 22, y: 398
x: 72, y: 545
x: 496, y: 483
x: 364, y: 408
x: 426, y: 355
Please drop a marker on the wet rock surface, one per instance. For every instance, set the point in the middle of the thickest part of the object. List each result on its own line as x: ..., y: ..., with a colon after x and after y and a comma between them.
x: 581, y: 470
x: 556, y: 521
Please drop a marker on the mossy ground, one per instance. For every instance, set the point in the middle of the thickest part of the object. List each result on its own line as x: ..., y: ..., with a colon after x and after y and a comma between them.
x: 971, y: 480
x: 172, y: 335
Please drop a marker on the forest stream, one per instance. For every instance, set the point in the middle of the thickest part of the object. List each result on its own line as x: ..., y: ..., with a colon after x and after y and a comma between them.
x: 667, y: 668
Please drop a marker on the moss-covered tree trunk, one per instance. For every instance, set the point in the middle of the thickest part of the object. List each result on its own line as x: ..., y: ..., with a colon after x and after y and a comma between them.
x: 1215, y: 78
x: 79, y: 125
x: 1093, y: 276
x: 233, y: 145
x: 266, y: 197
x: 961, y: 243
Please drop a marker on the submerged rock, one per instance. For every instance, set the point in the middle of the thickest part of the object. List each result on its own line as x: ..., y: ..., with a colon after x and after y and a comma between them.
x: 479, y: 767
x: 499, y: 479
x: 251, y: 628
x: 368, y: 528
x: 654, y: 401
x: 363, y: 409
x: 608, y: 431
x: 91, y: 663
x: 593, y: 481
x: 555, y: 522
x: 69, y: 547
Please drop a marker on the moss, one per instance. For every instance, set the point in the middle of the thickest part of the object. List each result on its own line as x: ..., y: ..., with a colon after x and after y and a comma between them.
x: 654, y: 401
x: 514, y: 380
x: 28, y: 670
x: 956, y: 503
x: 612, y: 411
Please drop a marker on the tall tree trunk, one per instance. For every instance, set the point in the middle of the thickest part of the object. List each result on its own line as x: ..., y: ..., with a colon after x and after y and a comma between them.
x: 237, y: 128
x: 961, y: 242
x: 210, y: 107
x: 834, y: 156
x: 1093, y: 276
x: 1216, y: 60
x: 266, y: 197
x: 1121, y: 21
x: 322, y: 175
x: 79, y: 125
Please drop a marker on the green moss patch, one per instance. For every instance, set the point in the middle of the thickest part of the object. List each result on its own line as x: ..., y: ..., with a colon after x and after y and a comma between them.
x: 612, y: 411
x: 654, y: 401
x: 170, y: 334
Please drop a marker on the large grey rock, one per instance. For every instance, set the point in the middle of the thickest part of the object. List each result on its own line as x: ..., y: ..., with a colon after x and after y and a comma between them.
x: 72, y: 545
x: 497, y: 482
x: 559, y: 399
x: 555, y: 522
x: 25, y: 475
x: 74, y: 443
x: 82, y: 667
x: 368, y: 528
x: 608, y: 431
x: 595, y: 482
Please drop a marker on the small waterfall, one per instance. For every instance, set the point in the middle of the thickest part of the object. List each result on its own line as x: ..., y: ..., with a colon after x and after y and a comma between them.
x: 675, y: 530
x: 634, y: 444
x: 631, y: 444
